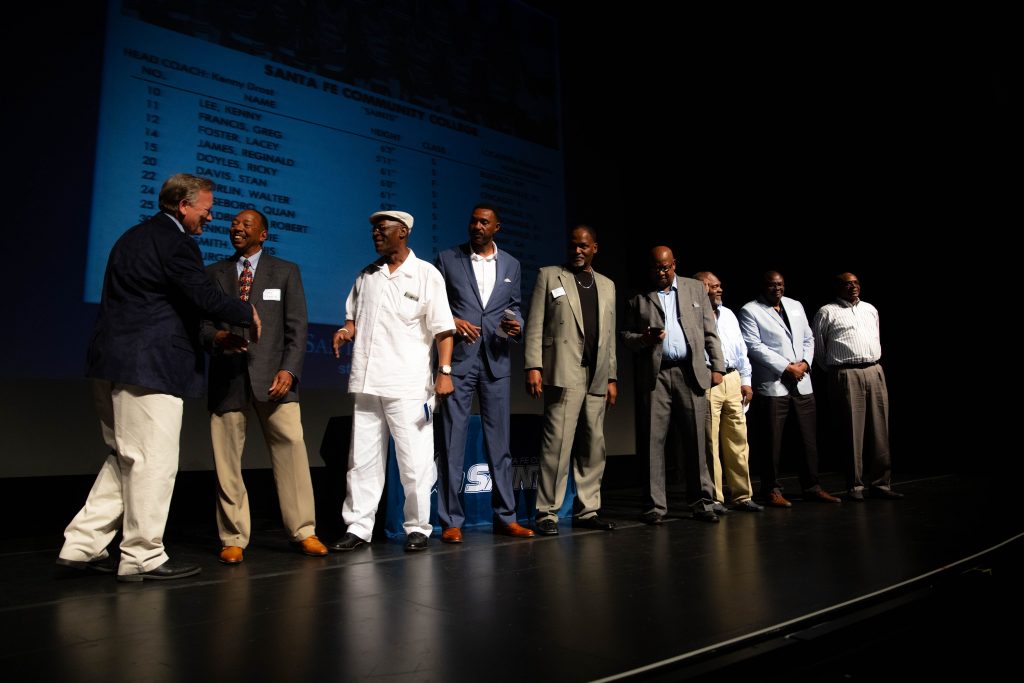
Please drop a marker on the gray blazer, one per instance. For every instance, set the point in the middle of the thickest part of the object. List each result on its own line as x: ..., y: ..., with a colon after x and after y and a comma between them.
x: 282, y: 344
x: 699, y: 327
x: 554, y: 330
x: 772, y: 346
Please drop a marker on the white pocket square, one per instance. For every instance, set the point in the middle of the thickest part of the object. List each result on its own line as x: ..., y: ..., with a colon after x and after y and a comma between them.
x: 507, y: 280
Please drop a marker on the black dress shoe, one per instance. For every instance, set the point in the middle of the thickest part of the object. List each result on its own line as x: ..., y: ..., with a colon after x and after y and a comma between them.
x: 747, y: 506
x: 82, y: 568
x: 885, y: 494
x: 652, y: 517
x: 855, y: 496
x: 415, y: 541
x: 705, y: 516
x: 347, y: 542
x: 593, y: 522
x: 719, y: 508
x: 165, y: 572
x: 546, y: 527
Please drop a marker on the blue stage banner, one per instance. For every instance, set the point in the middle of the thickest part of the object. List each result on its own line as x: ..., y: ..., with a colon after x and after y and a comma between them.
x: 476, y: 486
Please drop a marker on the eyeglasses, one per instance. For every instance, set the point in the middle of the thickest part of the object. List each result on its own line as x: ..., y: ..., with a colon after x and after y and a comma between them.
x: 382, y: 228
x: 662, y: 269
x: 206, y: 212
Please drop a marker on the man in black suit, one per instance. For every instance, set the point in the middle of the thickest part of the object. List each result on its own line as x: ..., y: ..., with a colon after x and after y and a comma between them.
x: 265, y: 379
x: 145, y: 356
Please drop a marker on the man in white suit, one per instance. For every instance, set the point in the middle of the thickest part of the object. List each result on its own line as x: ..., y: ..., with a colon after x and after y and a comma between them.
x: 780, y: 345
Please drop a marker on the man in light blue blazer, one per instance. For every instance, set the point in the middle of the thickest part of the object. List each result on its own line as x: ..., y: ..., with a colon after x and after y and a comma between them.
x: 780, y: 345
x: 483, y: 287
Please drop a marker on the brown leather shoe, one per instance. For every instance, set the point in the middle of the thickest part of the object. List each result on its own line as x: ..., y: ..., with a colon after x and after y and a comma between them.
x: 230, y: 554
x: 513, y: 529
x: 820, y: 496
x: 312, y: 546
x: 452, y: 534
x: 776, y: 500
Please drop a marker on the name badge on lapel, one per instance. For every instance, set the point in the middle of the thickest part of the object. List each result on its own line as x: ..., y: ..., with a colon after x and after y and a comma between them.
x: 271, y: 294
x: 555, y: 293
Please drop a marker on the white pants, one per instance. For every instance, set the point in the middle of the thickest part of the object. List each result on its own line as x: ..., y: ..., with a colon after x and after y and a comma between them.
x: 133, y: 490
x: 372, y: 420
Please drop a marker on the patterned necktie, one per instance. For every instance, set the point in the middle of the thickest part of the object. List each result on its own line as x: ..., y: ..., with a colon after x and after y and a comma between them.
x: 245, y: 280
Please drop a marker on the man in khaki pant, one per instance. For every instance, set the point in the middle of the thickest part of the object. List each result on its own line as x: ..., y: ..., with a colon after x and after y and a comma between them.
x: 265, y: 378
x: 726, y: 434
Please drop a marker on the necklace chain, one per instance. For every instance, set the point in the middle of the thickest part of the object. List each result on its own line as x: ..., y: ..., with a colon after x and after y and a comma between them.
x: 592, y: 278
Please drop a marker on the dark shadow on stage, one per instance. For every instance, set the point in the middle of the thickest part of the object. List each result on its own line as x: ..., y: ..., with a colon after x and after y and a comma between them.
x: 818, y: 592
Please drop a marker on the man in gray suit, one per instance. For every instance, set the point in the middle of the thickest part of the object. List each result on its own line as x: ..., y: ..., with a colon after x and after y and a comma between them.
x: 264, y: 378
x: 570, y: 362
x: 672, y: 331
x: 780, y: 345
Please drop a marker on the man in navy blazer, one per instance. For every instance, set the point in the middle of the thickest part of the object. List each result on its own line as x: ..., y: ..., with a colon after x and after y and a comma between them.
x: 145, y: 356
x: 780, y: 345
x: 483, y: 287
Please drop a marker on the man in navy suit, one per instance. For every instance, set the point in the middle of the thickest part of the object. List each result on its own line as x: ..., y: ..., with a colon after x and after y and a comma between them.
x: 145, y: 356
x: 482, y: 283
x: 780, y: 345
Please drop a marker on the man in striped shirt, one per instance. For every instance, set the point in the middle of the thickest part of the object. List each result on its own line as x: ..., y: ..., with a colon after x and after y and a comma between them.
x: 846, y: 341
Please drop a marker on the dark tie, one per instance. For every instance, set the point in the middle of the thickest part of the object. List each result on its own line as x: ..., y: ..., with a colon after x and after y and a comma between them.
x: 245, y: 280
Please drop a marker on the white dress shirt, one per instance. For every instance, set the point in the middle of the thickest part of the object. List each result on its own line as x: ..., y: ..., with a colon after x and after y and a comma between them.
x: 733, y: 348
x: 397, y: 316
x: 486, y: 270
x: 253, y: 262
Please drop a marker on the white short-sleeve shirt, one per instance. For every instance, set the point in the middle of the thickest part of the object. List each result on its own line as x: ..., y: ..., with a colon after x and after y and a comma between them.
x: 397, y: 316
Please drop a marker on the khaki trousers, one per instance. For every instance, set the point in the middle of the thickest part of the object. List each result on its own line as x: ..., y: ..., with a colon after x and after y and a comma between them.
x: 282, y: 431
x: 726, y: 438
x: 132, y: 492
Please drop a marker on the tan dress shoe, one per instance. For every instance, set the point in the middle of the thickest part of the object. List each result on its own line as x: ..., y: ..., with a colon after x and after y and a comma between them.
x: 452, y: 534
x: 513, y: 529
x: 820, y: 496
x: 775, y: 499
x: 230, y: 554
x: 312, y: 546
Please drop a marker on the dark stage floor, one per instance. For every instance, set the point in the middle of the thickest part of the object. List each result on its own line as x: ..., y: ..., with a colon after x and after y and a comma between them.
x: 817, y: 592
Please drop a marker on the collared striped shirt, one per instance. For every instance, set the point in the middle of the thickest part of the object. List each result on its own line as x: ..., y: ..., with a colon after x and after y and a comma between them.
x: 846, y: 333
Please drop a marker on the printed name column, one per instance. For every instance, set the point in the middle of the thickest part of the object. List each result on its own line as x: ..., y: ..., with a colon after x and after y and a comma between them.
x: 148, y: 189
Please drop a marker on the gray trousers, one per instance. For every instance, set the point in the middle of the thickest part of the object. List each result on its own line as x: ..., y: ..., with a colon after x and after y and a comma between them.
x: 562, y: 409
x: 674, y: 405
x: 860, y: 403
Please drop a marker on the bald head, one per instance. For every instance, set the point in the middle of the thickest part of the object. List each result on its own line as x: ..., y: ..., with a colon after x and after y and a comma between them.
x: 663, y: 267
x: 712, y: 285
x: 662, y: 254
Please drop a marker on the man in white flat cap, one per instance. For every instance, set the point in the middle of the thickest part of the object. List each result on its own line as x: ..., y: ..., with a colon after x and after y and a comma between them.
x: 396, y: 311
